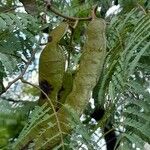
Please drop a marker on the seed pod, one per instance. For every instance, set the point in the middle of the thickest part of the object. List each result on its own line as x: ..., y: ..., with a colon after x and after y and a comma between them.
x: 52, y: 65
x: 90, y: 66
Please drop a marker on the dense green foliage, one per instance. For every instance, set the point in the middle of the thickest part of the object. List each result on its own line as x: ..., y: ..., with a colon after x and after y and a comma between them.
x: 123, y: 87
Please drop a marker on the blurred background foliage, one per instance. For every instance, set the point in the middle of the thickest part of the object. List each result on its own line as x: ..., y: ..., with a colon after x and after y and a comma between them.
x: 123, y: 89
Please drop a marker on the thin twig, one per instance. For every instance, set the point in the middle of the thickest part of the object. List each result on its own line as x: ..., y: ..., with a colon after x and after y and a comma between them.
x: 141, y: 7
x: 68, y: 17
x: 11, y: 8
x: 14, y: 55
x: 103, y: 135
x: 21, y: 75
x: 108, y: 142
x: 51, y: 8
x: 93, y: 12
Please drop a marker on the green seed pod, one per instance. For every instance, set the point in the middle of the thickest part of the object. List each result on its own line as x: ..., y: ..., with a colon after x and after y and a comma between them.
x: 52, y: 65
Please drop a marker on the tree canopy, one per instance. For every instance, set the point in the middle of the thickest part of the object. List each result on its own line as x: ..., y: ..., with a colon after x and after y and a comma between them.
x: 74, y: 74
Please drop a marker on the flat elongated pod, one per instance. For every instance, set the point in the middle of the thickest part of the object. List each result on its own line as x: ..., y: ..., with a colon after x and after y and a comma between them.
x: 52, y: 65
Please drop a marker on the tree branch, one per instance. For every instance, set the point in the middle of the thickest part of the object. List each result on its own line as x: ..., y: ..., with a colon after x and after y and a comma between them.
x: 21, y: 75
x: 55, y: 11
x: 51, y: 8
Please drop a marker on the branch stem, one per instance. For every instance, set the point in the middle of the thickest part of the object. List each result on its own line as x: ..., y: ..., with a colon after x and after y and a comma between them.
x: 21, y: 75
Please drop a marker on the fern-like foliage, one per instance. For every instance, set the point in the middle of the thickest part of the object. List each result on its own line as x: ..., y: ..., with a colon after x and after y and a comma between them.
x: 40, y: 122
x: 12, y: 119
x: 136, y: 116
x: 17, y: 21
x: 122, y: 90
x: 38, y: 115
x: 128, y: 42
x: 17, y: 38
